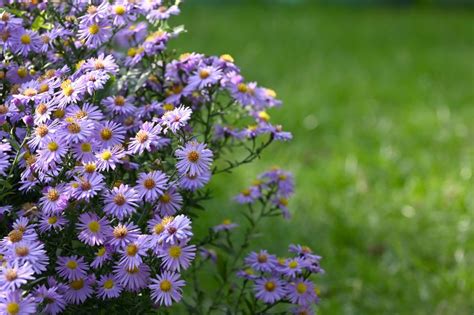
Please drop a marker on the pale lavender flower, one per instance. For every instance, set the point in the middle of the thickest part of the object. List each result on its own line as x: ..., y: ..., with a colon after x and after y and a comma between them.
x: 108, y: 158
x: 269, y: 290
x: 72, y: 267
x: 226, y: 225
x: 108, y: 287
x: 132, y: 254
x: 79, y: 290
x: 301, y: 291
x: 121, y: 201
x: 24, y: 41
x: 261, y: 261
x: 166, y: 288
x: 151, y: 185
x: 28, y: 252
x: 177, y: 230
x: 123, y: 234
x: 13, y: 302
x: 194, y: 158
x: 132, y: 279
x: 169, y: 202
x: 53, y: 302
x: 194, y: 182
x: 177, y: 118
x: 94, y: 34
x: 14, y: 275
x: 175, y: 257
x: 145, y: 138
x: 92, y: 229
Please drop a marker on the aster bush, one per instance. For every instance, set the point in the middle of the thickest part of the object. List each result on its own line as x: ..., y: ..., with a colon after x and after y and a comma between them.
x: 108, y: 140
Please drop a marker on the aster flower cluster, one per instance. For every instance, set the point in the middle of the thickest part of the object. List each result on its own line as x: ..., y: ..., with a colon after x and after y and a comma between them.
x: 278, y: 280
x: 107, y: 143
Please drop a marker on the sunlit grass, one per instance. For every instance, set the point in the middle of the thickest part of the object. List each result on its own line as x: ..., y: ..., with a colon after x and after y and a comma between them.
x: 380, y: 102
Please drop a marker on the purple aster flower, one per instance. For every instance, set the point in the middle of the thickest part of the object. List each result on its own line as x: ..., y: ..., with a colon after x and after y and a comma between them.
x: 13, y: 302
x: 86, y: 111
x: 86, y: 187
x: 169, y: 202
x: 145, y: 138
x: 13, y: 276
x: 123, y: 234
x: 303, y: 310
x: 177, y: 118
x: 261, y: 261
x: 96, y: 13
x: 51, y: 201
x: 108, y: 287
x: 24, y: 41
x: 132, y: 253
x: 50, y: 222
x: 301, y: 291
x: 94, y: 34
x: 204, y: 77
x: 208, y: 253
x: 177, y: 230
x: 75, y: 130
x: 175, y: 257
x: 269, y: 290
x: 151, y: 185
x: 71, y: 92
x: 163, y: 13
x: 226, y: 225
x: 122, y: 13
x: 102, y: 62
x: 108, y: 158
x: 79, y: 290
x: 247, y: 273
x: 53, y: 150
x: 248, y: 195
x: 93, y: 230
x: 194, y: 182
x: 166, y: 288
x: 132, y: 279
x: 102, y: 255
x: 84, y: 151
x: 28, y: 252
x: 94, y: 80
x: 72, y: 267
x: 121, y: 201
x: 194, y: 158
x: 110, y: 134
x: 43, y: 133
x: 120, y: 105
x: 53, y: 302
x: 292, y: 267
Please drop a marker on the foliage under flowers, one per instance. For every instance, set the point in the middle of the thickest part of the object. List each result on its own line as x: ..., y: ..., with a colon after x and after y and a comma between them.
x: 108, y: 142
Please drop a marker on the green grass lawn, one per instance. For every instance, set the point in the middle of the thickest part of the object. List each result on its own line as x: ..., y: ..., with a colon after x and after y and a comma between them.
x: 381, y: 105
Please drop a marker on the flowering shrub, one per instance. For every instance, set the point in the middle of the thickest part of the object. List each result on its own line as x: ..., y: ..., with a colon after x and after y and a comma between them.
x: 107, y: 143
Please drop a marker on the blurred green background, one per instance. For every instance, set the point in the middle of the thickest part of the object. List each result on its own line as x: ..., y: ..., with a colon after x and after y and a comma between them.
x: 380, y: 102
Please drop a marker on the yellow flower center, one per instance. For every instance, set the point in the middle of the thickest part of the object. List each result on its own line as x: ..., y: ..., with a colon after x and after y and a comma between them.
x: 77, y: 284
x: 109, y: 284
x: 11, y: 275
x: 167, y: 107
x: 262, y: 258
x: 119, y: 199
x: 264, y: 116
x: 22, y: 251
x: 101, y: 252
x: 165, y: 198
x: 94, y: 29
x: 30, y: 92
x: 89, y: 168
x: 149, y: 183
x: 25, y: 39
x: 94, y: 226
x: 284, y: 201
x: 226, y: 222
x: 193, y: 156
x: 119, y: 10
x: 120, y: 232
x: 15, y: 236
x: 301, y: 288
x: 132, y: 52
x: 142, y: 136
x: 119, y: 100
x: 204, y: 74
x: 132, y: 250
x: 74, y: 127
x: 86, y: 147
x: 293, y: 264
x: 175, y: 251
x: 71, y: 264
x: 165, y: 286
x: 227, y: 58
x: 59, y: 113
x: 106, y: 155
x: 13, y: 308
x: 52, y: 220
x: 158, y: 228
x: 270, y: 286
x: 242, y: 87
x: 246, y: 192
x: 22, y: 72
x: 53, y: 195
x: 106, y: 134
x: 41, y: 108
x: 41, y: 131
